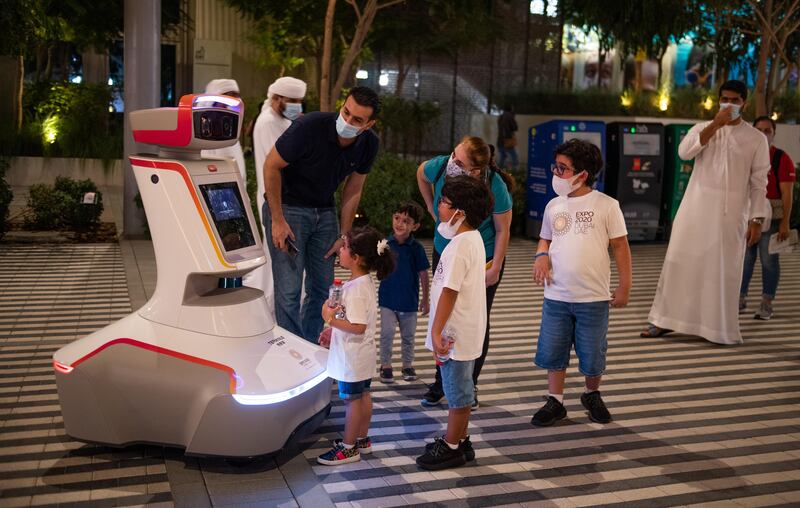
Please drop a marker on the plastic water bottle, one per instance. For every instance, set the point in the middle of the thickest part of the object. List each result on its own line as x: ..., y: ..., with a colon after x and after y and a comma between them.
x: 450, y: 335
x: 335, y: 298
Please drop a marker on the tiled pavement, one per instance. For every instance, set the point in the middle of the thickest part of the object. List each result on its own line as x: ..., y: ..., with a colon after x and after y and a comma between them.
x: 695, y: 423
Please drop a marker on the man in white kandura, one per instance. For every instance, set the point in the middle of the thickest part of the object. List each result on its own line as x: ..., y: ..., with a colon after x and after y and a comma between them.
x: 231, y: 88
x: 283, y: 105
x: 722, y: 212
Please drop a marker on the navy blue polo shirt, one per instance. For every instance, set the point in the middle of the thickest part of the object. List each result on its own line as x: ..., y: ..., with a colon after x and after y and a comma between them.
x: 400, y: 290
x: 317, y: 162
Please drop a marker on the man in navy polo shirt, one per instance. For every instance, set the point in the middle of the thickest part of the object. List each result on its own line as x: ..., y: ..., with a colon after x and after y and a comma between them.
x: 301, y: 175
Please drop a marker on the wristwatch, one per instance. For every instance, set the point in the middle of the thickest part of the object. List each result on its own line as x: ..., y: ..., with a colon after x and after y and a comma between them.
x: 757, y: 220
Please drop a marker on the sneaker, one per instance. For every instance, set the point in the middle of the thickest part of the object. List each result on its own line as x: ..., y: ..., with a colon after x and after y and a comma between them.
x: 441, y: 456
x: 742, y: 305
x: 409, y: 374
x: 433, y: 397
x: 465, y: 446
x: 596, y: 407
x: 550, y: 413
x: 475, y: 404
x: 339, y: 455
x: 364, y: 444
x: 387, y: 376
x: 764, y: 313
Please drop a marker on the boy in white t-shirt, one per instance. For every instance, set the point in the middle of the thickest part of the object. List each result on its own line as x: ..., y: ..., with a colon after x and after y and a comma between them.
x: 573, y: 264
x: 458, y: 314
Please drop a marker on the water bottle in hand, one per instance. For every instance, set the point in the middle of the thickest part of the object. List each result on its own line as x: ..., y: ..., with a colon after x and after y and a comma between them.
x: 450, y: 336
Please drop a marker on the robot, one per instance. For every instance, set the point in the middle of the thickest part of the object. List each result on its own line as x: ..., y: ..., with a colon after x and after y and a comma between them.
x: 201, y: 365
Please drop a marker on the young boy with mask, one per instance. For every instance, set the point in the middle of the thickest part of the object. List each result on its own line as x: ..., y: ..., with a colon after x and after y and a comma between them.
x: 458, y: 314
x: 573, y: 264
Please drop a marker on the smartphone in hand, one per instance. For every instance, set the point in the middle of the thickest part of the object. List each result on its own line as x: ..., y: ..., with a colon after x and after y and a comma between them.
x: 291, y: 248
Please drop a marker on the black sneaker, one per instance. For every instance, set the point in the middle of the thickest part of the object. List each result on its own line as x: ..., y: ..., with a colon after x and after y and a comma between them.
x: 433, y: 397
x: 465, y: 446
x: 409, y: 374
x: 475, y: 404
x: 364, y: 444
x: 441, y: 456
x: 596, y: 407
x: 387, y: 376
x: 550, y: 413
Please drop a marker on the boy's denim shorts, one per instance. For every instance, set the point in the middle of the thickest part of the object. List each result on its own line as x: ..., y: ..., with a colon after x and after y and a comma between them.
x: 457, y: 383
x: 580, y: 325
x: 353, y: 390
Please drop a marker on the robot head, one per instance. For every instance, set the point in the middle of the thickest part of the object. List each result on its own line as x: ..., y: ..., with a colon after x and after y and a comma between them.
x: 200, y: 122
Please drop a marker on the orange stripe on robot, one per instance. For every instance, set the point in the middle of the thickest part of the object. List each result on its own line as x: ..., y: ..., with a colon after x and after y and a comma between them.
x: 174, y: 166
x: 163, y: 351
x: 181, y: 136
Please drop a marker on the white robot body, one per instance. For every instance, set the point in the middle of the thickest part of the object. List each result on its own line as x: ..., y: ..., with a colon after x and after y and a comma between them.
x: 201, y: 365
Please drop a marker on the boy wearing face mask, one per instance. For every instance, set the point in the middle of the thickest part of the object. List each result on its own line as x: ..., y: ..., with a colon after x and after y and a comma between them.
x: 572, y: 263
x: 458, y: 314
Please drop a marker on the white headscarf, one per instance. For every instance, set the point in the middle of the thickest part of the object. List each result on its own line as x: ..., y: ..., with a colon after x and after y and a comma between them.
x: 222, y: 86
x: 288, y: 87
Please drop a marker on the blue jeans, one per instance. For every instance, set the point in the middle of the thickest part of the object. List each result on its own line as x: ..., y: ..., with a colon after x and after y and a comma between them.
x: 457, y: 383
x: 315, y: 230
x: 770, y: 264
x: 507, y: 152
x: 408, y: 328
x: 353, y: 390
x: 582, y: 325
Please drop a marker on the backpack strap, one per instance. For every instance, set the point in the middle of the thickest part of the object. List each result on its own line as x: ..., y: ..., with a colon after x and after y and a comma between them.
x: 776, y: 164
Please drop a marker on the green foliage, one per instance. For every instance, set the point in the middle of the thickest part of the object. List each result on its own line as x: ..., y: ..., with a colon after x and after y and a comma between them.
x: 787, y: 105
x: 65, y: 120
x: 404, y: 123
x: 59, y: 206
x: 5, y: 195
x: 391, y: 181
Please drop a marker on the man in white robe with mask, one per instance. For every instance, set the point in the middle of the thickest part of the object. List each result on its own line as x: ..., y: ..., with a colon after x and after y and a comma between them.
x: 231, y: 88
x: 722, y: 212
x: 283, y: 105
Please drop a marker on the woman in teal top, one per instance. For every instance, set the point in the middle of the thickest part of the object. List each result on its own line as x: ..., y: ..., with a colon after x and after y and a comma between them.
x: 473, y: 157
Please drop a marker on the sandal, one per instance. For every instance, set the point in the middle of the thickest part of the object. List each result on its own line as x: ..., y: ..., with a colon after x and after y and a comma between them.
x: 654, y: 331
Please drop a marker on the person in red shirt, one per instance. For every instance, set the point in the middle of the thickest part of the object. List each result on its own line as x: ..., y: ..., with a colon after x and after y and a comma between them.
x: 780, y: 181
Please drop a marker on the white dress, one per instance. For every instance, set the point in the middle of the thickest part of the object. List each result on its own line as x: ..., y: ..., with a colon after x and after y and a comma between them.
x: 268, y: 128
x: 698, y: 291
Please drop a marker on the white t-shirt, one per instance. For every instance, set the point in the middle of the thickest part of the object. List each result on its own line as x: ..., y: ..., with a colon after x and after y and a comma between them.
x: 462, y: 268
x: 579, y: 229
x: 352, y: 357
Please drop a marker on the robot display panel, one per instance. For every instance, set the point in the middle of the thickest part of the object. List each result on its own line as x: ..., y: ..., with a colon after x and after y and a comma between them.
x: 228, y: 214
x: 215, y: 125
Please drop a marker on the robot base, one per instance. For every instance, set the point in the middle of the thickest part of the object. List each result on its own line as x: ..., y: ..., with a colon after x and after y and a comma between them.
x: 125, y: 391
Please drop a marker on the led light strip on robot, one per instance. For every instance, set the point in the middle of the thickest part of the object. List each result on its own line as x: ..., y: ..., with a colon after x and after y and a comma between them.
x: 174, y: 166
x: 243, y: 399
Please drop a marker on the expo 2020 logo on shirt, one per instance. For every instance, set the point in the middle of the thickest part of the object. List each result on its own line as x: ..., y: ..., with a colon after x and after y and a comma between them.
x: 562, y: 222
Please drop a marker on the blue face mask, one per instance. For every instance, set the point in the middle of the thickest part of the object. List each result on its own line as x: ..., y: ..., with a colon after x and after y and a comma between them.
x: 346, y: 130
x: 292, y: 110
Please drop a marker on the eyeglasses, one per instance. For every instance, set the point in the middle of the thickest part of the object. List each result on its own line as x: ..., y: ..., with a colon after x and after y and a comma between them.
x: 560, y: 169
x: 444, y: 200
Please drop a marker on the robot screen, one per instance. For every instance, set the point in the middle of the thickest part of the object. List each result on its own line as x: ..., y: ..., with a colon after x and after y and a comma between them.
x: 227, y: 212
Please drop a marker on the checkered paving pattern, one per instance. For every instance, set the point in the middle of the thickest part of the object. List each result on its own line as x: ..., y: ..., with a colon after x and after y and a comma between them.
x: 51, y: 295
x: 695, y: 424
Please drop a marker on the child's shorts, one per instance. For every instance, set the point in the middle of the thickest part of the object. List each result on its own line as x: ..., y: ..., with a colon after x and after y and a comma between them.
x: 353, y: 390
x: 564, y: 324
x: 457, y: 383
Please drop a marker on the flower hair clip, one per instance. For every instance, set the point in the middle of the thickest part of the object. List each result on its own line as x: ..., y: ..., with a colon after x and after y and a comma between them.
x: 382, y: 246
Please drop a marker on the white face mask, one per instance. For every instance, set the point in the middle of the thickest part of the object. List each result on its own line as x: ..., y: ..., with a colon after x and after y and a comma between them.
x: 564, y: 186
x: 346, y: 130
x: 448, y: 230
x: 735, y: 109
x: 454, y: 169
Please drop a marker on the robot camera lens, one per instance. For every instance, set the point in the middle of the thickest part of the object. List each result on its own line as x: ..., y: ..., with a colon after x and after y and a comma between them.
x: 205, y: 126
x: 227, y: 128
x: 154, y: 178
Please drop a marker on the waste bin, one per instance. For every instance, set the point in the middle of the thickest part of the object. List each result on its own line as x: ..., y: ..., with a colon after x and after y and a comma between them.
x: 542, y: 142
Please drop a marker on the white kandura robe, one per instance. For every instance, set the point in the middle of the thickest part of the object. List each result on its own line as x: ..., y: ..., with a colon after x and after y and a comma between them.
x: 698, y: 291
x: 268, y: 128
